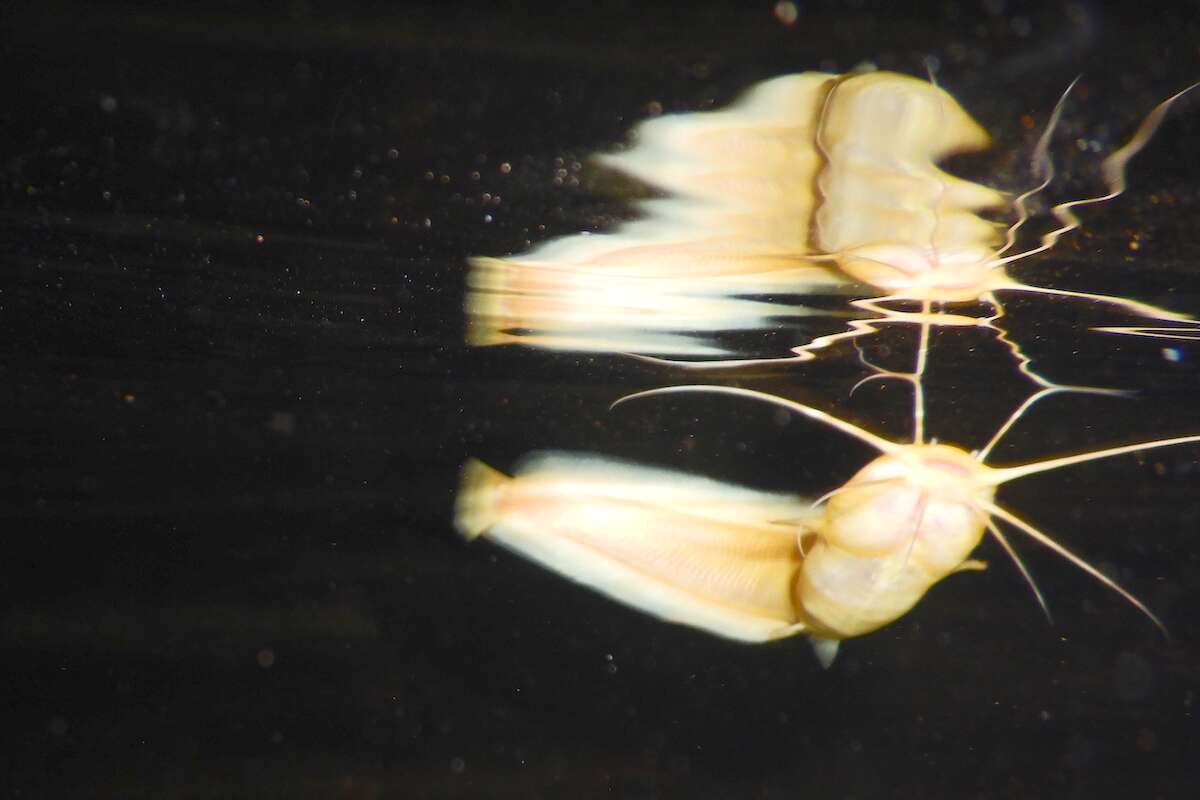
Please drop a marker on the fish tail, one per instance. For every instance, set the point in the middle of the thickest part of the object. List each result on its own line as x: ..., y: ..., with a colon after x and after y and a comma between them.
x: 487, y: 289
x: 478, y: 491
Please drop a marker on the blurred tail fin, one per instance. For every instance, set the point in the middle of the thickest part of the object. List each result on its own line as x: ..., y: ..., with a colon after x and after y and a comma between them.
x: 475, y: 507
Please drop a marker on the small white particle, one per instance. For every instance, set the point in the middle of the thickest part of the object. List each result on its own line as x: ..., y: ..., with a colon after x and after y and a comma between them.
x: 786, y: 12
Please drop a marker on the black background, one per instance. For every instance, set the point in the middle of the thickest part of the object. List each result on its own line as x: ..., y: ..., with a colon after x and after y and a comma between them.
x: 234, y: 399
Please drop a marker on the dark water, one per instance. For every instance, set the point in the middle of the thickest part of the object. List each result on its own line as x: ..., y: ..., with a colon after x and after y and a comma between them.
x: 228, y: 566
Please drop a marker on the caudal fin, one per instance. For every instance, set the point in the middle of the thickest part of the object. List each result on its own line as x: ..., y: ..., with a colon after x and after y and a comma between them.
x: 475, y: 506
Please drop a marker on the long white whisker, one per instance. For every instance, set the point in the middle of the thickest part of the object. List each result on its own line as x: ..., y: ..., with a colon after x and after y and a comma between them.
x: 1005, y: 474
x: 1012, y: 420
x: 1046, y: 541
x: 1153, y: 332
x: 1145, y: 309
x: 1113, y: 169
x: 1041, y: 165
x: 1025, y: 365
x: 982, y: 455
x: 1049, y: 240
x: 879, y: 443
x: 1016, y: 559
x: 883, y: 375
x: 918, y: 374
x: 1114, y: 166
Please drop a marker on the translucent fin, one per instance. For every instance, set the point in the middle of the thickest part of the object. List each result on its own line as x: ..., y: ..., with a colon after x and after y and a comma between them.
x: 826, y: 650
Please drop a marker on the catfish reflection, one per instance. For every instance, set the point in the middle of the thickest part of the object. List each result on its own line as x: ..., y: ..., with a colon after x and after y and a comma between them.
x: 555, y: 306
x: 810, y: 184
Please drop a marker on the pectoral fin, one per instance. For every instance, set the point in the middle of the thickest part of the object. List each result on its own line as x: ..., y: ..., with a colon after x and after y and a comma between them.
x: 826, y: 650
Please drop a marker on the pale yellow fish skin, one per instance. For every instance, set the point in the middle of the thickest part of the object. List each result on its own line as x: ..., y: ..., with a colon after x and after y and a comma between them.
x: 699, y: 552
x: 883, y: 135
x: 741, y: 563
x: 808, y: 184
x: 741, y: 179
x: 893, y: 218
x: 588, y: 310
x: 904, y: 522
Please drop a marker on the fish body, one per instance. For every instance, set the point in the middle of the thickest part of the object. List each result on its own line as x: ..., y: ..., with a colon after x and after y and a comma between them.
x: 740, y: 563
x: 904, y: 522
x: 700, y: 552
